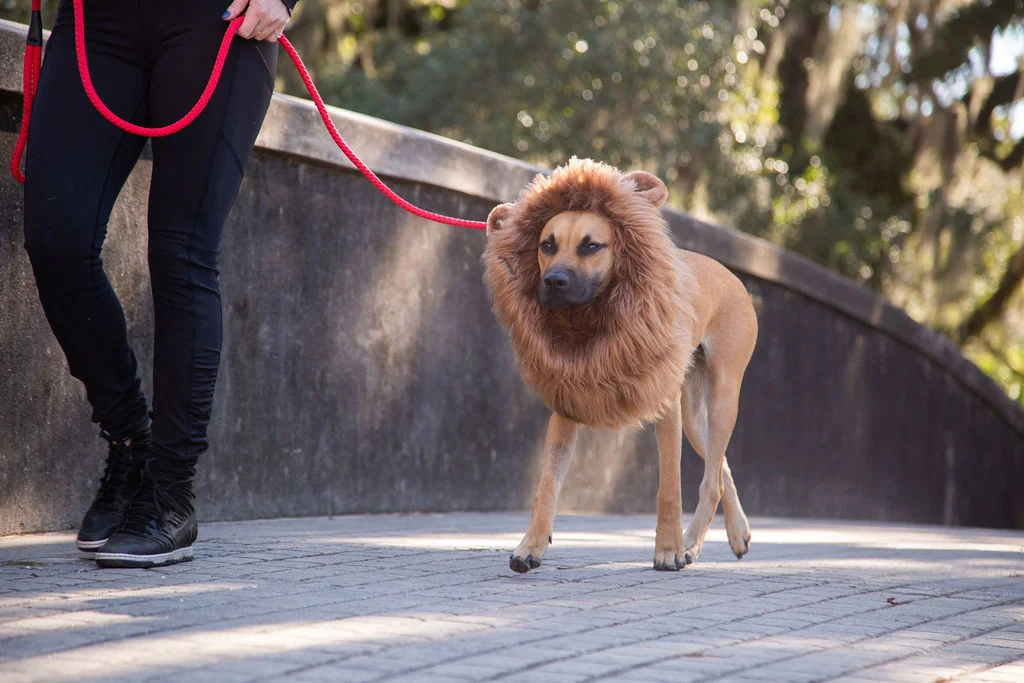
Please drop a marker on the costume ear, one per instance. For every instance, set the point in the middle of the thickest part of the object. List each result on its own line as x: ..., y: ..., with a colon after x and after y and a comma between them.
x: 648, y: 186
x: 496, y: 216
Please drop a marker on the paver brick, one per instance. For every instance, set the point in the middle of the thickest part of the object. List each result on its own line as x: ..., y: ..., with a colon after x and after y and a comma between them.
x: 426, y: 597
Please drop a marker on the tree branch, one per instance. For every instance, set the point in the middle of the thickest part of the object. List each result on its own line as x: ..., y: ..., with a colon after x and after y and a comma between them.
x: 1012, y: 160
x: 992, y: 308
x: 971, y: 25
x: 1004, y: 91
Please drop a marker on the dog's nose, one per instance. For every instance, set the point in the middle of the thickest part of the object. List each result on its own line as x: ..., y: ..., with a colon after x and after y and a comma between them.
x: 556, y: 280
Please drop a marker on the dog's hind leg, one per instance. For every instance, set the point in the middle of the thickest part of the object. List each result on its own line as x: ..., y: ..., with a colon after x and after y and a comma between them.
x: 722, y: 406
x: 668, y: 539
x: 736, y: 525
x: 558, y: 451
x: 695, y: 426
x: 731, y: 345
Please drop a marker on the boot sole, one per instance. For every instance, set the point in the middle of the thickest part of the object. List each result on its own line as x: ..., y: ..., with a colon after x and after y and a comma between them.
x: 127, y: 560
x: 90, y: 546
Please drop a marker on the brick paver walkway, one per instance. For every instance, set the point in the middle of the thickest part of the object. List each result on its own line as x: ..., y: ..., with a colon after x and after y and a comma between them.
x: 430, y: 597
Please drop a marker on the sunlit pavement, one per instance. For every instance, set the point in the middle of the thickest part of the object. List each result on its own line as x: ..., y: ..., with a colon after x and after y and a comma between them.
x: 430, y: 597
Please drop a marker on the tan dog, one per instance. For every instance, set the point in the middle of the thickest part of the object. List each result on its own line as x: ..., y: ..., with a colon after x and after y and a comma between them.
x: 614, y: 326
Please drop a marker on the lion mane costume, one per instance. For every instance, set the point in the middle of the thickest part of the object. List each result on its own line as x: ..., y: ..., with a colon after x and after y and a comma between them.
x: 619, y: 359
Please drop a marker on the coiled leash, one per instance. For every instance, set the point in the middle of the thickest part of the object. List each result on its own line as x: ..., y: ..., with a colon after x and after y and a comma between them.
x: 33, y: 53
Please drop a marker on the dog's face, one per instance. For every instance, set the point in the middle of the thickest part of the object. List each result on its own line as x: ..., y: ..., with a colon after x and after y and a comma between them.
x: 575, y: 258
x: 575, y: 253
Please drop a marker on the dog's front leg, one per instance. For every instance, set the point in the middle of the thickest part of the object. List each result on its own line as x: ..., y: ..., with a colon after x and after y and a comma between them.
x: 558, y: 450
x: 668, y: 539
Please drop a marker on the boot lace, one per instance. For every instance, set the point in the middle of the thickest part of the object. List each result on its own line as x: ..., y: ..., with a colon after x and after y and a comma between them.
x: 115, y: 472
x: 155, y: 502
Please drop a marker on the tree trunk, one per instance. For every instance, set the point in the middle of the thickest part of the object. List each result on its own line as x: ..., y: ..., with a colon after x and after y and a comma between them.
x: 826, y: 74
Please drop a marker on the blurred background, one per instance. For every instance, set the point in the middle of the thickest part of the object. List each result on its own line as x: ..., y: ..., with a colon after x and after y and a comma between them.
x: 883, y: 139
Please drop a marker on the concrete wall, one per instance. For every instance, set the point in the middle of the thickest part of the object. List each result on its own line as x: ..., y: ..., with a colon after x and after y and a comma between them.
x: 363, y: 372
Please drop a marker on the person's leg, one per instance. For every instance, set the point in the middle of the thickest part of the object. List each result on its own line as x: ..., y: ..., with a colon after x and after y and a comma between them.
x: 76, y: 164
x: 196, y: 176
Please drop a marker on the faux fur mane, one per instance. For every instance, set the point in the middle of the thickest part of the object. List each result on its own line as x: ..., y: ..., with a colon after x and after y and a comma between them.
x: 619, y: 359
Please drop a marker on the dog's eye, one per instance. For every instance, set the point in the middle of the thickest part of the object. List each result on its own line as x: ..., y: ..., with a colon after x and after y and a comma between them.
x: 589, y: 248
x: 548, y: 246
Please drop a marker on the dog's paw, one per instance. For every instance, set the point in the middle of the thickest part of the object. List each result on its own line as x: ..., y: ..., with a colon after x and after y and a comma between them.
x: 528, y: 555
x: 669, y: 555
x: 692, y: 546
x: 739, y: 536
x: 670, y: 560
x: 522, y: 565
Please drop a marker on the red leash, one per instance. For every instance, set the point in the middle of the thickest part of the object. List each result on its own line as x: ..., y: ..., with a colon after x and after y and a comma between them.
x: 33, y: 49
x: 29, y: 81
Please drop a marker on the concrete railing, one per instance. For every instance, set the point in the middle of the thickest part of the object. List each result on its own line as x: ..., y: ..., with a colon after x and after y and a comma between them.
x: 363, y: 372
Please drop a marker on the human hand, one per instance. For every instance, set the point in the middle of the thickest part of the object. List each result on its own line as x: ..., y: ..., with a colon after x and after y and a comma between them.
x: 264, y: 19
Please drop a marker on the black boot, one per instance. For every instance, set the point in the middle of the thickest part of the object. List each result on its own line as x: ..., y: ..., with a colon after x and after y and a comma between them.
x: 122, y: 477
x: 159, y: 527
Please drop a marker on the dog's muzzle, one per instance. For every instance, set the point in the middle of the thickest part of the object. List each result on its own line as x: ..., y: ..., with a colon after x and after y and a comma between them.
x: 564, y: 287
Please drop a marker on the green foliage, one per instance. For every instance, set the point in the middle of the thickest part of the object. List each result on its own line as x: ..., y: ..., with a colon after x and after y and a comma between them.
x: 1004, y: 365
x: 629, y: 82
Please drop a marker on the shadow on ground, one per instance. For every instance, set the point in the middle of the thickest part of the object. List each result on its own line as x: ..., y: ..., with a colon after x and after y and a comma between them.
x: 429, y: 596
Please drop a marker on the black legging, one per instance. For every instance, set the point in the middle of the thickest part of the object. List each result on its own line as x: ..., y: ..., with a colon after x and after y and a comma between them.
x: 149, y: 63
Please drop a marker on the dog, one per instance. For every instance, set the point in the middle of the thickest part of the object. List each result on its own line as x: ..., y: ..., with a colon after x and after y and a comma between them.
x: 614, y: 327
